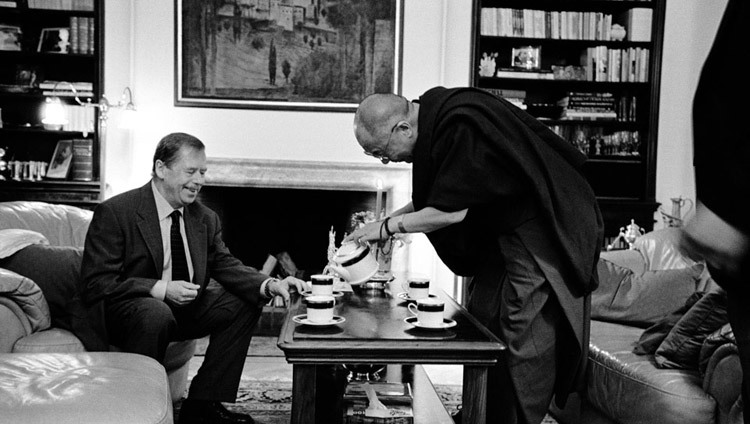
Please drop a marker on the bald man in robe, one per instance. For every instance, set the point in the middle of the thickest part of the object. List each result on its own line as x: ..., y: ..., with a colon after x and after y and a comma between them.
x: 502, y: 199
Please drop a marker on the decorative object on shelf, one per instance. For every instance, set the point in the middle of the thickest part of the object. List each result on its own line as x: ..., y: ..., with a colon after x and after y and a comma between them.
x: 629, y: 234
x: 10, y: 38
x: 283, y: 56
x: 617, y: 33
x: 59, y: 165
x: 54, y: 40
x: 677, y: 217
x: 487, y: 64
x: 4, y: 168
x: 526, y: 57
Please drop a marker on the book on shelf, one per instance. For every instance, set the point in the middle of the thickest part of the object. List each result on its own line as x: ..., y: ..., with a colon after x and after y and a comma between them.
x: 637, y: 22
x: 82, y: 5
x: 66, y: 85
x: 5, y: 3
x: 82, y: 167
x: 524, y: 74
x: 598, y: 115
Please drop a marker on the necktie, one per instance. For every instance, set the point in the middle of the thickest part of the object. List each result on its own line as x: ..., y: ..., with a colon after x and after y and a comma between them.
x: 179, y: 260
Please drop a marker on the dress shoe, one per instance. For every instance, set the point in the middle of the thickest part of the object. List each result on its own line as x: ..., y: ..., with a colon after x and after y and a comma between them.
x: 210, y: 412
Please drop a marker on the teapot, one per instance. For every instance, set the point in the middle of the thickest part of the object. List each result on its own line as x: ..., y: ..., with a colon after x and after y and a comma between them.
x: 353, y: 263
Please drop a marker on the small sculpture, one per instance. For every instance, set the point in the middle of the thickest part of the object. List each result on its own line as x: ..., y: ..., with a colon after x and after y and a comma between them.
x: 629, y: 234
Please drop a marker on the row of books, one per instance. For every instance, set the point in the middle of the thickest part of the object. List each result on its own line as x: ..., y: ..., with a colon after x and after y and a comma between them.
x: 84, y: 5
x: 529, y: 23
x: 78, y: 118
x: 82, y: 33
x: 565, y: 25
x: 616, y: 65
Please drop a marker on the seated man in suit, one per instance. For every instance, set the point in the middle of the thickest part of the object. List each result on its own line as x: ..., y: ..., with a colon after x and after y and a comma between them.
x: 155, y: 259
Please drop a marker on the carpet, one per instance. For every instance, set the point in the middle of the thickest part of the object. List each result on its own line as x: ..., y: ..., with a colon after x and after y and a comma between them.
x: 270, y: 402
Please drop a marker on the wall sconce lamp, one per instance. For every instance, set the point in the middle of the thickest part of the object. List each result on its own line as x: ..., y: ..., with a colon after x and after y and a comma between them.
x: 54, y: 112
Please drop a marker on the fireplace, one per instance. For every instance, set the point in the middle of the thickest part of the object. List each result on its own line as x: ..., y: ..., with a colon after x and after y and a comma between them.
x: 268, y: 207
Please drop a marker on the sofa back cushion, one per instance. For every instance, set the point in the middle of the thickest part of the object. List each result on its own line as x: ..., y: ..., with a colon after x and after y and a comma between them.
x: 641, y: 299
x: 62, y: 225
x: 660, y: 250
x: 57, y: 270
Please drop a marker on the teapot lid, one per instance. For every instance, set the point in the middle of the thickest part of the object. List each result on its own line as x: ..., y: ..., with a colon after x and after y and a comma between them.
x: 349, y: 250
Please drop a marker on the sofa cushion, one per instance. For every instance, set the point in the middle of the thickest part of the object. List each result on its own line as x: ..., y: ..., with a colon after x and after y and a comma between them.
x: 54, y: 340
x: 12, y: 240
x: 654, y: 335
x: 62, y: 225
x: 681, y: 348
x: 713, y: 341
x: 641, y: 299
x: 660, y: 250
x: 102, y: 387
x: 24, y: 297
x: 631, y: 387
x: 56, y: 269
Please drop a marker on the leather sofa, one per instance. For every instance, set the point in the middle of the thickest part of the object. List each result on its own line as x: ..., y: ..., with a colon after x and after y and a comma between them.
x: 23, y: 331
x: 623, y: 387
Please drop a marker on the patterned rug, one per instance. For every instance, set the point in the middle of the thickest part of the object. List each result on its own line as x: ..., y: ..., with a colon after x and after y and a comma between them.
x: 270, y: 402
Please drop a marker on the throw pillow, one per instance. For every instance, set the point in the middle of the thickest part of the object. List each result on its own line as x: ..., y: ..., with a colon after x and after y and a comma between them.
x: 652, y: 337
x: 660, y: 249
x: 56, y: 270
x: 641, y: 299
x: 681, y: 348
x: 14, y: 239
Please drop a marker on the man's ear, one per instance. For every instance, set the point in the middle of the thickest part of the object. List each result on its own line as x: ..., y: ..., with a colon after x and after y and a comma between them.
x: 406, y: 128
x: 159, y: 168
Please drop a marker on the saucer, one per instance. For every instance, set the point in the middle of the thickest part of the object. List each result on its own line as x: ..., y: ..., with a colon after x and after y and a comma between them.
x: 335, y: 293
x: 405, y: 296
x: 302, y: 319
x: 447, y: 323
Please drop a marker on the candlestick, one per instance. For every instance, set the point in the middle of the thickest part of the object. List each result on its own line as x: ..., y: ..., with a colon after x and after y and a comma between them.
x: 379, y: 199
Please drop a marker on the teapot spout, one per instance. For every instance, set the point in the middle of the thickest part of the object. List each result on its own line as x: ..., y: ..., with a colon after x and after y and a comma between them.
x: 337, y: 270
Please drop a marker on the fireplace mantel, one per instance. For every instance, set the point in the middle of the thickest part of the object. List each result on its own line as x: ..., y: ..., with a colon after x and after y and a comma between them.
x: 312, y: 175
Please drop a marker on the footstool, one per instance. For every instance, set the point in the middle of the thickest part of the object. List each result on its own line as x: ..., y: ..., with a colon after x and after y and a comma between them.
x: 81, y: 388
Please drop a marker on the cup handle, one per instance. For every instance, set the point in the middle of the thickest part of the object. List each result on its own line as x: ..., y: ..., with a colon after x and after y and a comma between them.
x: 414, y: 311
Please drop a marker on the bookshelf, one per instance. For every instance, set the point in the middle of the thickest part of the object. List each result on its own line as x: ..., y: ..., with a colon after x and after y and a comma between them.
x: 49, y: 41
x: 590, y: 70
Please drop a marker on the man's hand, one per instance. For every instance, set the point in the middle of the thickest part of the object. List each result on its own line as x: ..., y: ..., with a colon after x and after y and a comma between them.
x: 282, y: 288
x: 180, y: 292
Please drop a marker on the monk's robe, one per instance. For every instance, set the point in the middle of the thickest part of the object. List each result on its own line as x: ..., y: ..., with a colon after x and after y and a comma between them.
x: 532, y: 233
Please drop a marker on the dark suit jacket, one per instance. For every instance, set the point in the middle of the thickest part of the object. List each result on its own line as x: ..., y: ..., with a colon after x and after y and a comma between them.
x: 123, y: 255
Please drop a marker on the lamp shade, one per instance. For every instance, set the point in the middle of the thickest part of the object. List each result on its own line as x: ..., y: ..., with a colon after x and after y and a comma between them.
x: 54, y: 114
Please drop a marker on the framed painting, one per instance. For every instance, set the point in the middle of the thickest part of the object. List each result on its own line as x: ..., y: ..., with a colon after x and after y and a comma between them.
x: 323, y: 55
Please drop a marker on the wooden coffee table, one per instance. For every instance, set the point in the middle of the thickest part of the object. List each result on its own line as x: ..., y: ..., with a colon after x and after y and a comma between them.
x: 375, y: 331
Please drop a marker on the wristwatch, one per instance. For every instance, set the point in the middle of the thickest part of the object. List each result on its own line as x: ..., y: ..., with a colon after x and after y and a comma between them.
x: 267, y: 291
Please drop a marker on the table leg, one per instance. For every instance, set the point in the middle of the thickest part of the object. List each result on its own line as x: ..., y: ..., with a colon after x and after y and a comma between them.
x: 303, y: 394
x: 474, y: 398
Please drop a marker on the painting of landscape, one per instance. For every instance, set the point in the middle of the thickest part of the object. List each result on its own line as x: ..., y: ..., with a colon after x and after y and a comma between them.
x: 286, y: 54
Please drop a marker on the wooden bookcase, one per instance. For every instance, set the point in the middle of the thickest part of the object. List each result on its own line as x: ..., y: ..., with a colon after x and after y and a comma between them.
x: 23, y: 137
x: 567, y: 41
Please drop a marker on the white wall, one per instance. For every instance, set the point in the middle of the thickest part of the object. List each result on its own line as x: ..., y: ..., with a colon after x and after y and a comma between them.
x: 437, y: 38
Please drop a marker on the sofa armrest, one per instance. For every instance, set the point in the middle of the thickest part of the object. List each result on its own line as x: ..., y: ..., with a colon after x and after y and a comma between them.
x: 723, y: 381
x: 12, y: 327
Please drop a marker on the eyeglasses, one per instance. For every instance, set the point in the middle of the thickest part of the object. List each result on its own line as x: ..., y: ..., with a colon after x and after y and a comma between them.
x: 381, y: 155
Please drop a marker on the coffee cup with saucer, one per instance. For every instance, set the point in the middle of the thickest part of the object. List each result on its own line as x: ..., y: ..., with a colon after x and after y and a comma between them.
x: 319, y: 312
x: 428, y: 313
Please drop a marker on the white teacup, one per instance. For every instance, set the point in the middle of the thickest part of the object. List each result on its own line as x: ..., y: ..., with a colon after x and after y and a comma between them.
x: 429, y: 312
x: 417, y: 287
x: 320, y: 308
x: 322, y: 285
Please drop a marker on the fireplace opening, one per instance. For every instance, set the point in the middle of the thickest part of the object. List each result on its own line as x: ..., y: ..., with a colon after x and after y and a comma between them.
x: 259, y: 222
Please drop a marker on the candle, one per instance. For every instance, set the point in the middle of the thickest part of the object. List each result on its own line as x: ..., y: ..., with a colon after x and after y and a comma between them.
x: 379, y: 199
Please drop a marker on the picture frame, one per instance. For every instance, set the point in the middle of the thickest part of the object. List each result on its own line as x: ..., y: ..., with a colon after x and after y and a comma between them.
x: 54, y: 40
x: 59, y: 165
x: 10, y: 38
x: 526, y: 57
x: 298, y: 55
